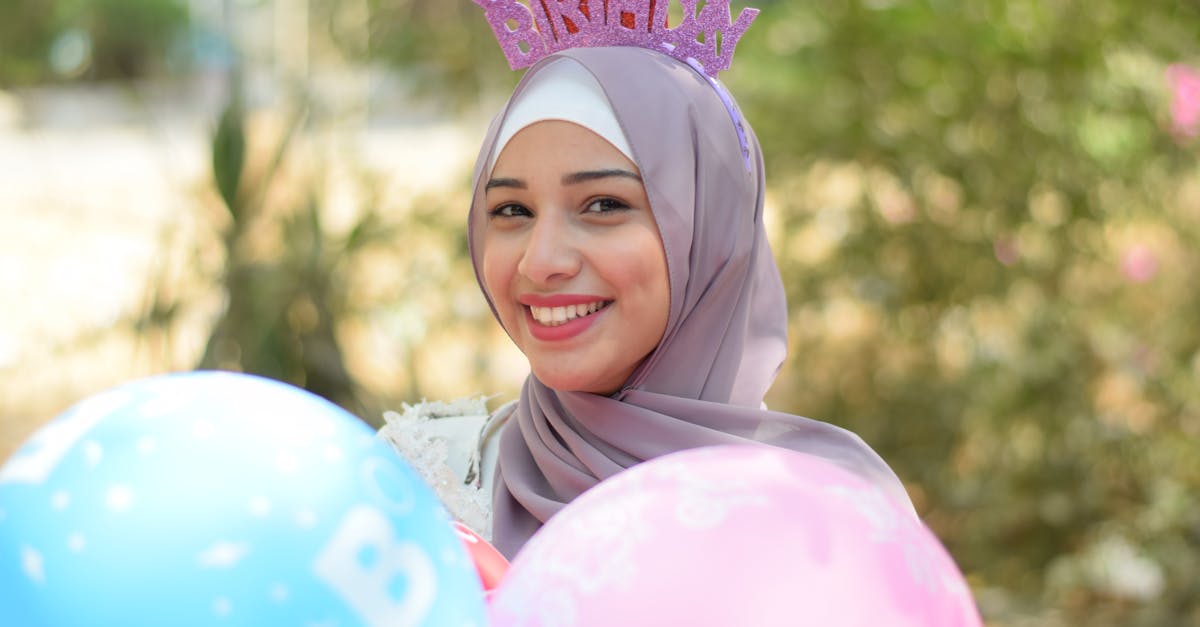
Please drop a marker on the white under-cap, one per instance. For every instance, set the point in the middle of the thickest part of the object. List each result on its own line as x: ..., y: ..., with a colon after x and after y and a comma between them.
x: 563, y: 90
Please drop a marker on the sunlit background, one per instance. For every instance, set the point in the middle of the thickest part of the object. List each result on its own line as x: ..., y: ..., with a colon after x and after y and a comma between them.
x: 987, y: 213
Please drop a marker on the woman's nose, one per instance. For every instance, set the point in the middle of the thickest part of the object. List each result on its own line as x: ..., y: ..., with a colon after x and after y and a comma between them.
x: 550, y: 252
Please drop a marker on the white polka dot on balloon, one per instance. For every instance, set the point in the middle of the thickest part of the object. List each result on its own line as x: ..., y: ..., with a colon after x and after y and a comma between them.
x: 147, y: 445
x: 33, y: 564
x: 306, y: 518
x: 222, y: 606
x: 60, y: 500
x: 286, y: 462
x: 259, y: 506
x: 278, y: 593
x: 76, y: 542
x: 93, y: 453
x: 119, y: 498
x: 223, y: 554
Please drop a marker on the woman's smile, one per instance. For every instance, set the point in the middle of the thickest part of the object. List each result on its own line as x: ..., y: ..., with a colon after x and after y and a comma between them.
x: 552, y: 310
x: 555, y: 316
x: 560, y: 317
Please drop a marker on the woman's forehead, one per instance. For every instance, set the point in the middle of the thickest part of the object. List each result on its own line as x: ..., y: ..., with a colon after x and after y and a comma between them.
x: 556, y: 145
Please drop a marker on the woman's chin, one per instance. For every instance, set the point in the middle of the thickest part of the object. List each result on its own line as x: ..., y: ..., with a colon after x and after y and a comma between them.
x: 576, y: 382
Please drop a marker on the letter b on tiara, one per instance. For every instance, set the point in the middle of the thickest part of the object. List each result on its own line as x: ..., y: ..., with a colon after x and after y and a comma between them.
x: 500, y: 13
x: 530, y: 30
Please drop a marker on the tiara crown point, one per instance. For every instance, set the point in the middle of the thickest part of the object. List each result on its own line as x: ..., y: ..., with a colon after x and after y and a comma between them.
x: 556, y: 25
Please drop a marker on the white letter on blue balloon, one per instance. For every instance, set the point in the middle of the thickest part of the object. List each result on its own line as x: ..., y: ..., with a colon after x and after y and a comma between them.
x: 364, y: 559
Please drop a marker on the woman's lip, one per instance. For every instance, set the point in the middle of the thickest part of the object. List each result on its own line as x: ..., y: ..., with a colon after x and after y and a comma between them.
x: 564, y: 331
x: 559, y: 300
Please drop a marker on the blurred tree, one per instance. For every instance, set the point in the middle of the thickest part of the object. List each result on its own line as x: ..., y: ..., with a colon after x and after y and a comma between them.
x: 43, y: 41
x: 130, y: 38
x: 282, y: 304
x: 27, y: 31
x: 296, y: 288
x: 445, y: 47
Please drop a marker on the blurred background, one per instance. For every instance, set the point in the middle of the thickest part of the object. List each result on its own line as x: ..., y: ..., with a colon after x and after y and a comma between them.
x: 987, y: 214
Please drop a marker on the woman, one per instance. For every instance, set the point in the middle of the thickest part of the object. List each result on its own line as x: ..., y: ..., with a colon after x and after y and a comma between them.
x: 616, y: 231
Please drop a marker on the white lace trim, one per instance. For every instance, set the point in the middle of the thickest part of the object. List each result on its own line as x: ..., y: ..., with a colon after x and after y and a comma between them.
x: 407, y: 433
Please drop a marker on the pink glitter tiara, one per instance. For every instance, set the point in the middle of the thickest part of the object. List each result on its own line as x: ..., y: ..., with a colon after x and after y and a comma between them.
x: 706, y: 39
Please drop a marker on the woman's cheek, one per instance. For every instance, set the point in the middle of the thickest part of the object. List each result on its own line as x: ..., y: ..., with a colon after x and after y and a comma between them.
x: 496, y: 278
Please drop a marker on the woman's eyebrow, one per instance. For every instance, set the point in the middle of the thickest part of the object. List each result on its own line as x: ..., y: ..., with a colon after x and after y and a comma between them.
x: 591, y: 175
x: 505, y: 182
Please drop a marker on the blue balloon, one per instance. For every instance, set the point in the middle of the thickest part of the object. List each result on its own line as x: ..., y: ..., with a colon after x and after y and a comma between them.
x: 215, y: 498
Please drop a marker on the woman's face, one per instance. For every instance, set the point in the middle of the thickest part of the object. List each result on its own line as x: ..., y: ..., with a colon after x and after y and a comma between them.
x: 572, y: 257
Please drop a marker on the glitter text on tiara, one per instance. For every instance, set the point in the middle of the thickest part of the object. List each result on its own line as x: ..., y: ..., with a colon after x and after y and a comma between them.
x: 707, y: 37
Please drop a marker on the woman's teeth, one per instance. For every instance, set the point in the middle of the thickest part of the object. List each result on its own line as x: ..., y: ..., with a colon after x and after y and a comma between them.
x: 554, y: 316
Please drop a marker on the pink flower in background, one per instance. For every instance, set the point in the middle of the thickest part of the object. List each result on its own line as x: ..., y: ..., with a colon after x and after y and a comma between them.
x: 1184, y: 81
x: 1139, y: 264
x: 1006, y: 251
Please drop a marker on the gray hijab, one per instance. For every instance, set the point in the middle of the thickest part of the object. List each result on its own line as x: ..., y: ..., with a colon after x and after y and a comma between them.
x: 726, y: 333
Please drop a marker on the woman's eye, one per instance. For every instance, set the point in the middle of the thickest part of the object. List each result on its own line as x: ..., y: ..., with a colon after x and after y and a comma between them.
x: 509, y: 211
x: 606, y: 205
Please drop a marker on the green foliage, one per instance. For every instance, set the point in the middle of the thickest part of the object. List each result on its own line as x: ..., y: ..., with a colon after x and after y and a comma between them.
x: 229, y: 155
x: 131, y: 37
x: 282, y: 304
x: 108, y: 39
x: 445, y: 47
x: 26, y: 32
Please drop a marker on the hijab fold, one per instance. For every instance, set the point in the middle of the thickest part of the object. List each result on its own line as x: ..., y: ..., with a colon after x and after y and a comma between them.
x: 726, y: 333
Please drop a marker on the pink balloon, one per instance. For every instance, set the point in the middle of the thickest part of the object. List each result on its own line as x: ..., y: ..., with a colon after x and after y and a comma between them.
x: 734, y: 535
